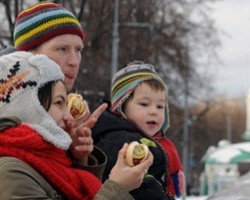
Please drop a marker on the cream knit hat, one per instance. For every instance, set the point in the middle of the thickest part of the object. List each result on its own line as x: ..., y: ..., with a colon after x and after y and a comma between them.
x: 21, y: 76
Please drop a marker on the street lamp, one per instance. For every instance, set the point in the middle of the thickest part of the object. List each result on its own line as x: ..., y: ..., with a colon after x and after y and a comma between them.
x: 115, y: 40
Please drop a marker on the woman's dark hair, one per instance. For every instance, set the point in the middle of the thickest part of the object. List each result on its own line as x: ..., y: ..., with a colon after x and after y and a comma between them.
x: 45, y: 94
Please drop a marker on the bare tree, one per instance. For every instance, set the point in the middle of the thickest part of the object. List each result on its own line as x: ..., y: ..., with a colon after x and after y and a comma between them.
x: 171, y: 39
x: 171, y: 34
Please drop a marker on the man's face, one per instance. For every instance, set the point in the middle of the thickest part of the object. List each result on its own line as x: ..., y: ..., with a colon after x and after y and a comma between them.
x: 65, y: 50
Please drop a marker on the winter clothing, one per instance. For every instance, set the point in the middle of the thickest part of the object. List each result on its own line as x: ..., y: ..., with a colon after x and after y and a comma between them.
x: 37, y: 169
x: 42, y: 22
x: 14, y: 173
x: 176, y: 176
x: 34, y: 163
x: 21, y: 76
x: 110, y: 133
x: 51, y: 162
x: 126, y: 80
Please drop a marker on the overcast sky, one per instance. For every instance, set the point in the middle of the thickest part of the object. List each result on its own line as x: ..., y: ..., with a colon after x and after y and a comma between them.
x: 233, y: 75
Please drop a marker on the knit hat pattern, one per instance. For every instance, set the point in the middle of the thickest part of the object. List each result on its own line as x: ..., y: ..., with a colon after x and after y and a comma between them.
x: 126, y: 80
x: 43, y: 22
x: 21, y: 76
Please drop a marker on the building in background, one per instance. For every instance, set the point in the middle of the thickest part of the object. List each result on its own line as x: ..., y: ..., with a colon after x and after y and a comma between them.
x: 247, y: 132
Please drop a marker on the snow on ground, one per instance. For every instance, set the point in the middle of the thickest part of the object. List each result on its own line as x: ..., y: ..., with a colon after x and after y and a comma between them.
x: 196, y: 198
x: 193, y: 198
x: 230, y: 152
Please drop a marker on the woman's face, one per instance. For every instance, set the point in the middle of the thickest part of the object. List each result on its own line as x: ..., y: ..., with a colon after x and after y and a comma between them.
x: 58, y: 109
x: 65, y: 50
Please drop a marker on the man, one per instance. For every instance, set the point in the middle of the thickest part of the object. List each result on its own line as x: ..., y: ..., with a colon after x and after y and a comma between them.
x: 47, y: 28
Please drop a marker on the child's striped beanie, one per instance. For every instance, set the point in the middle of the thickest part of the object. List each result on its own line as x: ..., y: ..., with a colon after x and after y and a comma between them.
x: 127, y: 79
x: 43, y: 22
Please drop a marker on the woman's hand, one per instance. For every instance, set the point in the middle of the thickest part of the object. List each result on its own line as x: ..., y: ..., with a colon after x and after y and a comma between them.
x: 80, y: 132
x: 82, y: 144
x: 127, y: 177
x: 83, y: 121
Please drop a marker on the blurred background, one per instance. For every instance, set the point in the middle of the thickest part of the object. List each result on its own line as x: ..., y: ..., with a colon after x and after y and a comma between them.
x: 201, y: 49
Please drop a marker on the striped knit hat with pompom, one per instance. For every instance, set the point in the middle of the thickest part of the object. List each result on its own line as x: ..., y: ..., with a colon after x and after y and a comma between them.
x: 127, y: 79
x: 43, y: 22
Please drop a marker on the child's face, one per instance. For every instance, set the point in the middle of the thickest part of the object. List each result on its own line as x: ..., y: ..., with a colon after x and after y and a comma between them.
x: 58, y: 109
x: 147, y: 108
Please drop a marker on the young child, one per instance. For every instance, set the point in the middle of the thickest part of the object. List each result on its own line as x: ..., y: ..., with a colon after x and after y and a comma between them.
x: 139, y: 112
x: 34, y: 144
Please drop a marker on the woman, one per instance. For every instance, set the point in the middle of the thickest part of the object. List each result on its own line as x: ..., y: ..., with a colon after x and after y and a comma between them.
x: 48, y: 28
x: 34, y: 163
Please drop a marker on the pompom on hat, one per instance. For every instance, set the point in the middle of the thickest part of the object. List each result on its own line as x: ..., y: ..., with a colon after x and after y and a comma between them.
x: 43, y: 22
x: 21, y: 76
x: 127, y: 79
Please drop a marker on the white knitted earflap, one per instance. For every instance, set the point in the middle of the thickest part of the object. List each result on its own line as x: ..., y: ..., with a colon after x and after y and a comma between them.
x: 21, y: 76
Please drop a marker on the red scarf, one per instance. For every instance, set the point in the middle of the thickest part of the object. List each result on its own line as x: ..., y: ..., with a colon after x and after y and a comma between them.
x: 24, y: 143
x: 174, y: 166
